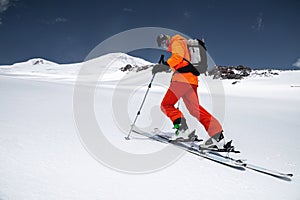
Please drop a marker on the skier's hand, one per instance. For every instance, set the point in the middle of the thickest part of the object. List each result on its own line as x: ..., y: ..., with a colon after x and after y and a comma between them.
x: 162, y: 60
x: 160, y: 68
x: 165, y: 63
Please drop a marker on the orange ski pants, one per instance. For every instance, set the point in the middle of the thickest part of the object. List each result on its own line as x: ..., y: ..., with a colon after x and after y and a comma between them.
x: 189, y: 95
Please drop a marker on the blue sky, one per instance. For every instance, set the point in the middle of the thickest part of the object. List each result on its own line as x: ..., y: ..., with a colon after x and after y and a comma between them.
x: 260, y: 34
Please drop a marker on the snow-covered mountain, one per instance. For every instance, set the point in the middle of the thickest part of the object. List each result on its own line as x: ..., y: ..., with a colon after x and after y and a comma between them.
x: 42, y: 155
x: 114, y: 66
x: 46, y: 70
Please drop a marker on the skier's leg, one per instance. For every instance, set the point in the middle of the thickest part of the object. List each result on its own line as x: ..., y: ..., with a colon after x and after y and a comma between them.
x: 191, y: 100
x: 177, y: 90
x: 171, y: 97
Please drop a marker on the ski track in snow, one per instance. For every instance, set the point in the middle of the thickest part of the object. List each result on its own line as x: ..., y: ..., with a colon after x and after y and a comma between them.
x: 41, y: 155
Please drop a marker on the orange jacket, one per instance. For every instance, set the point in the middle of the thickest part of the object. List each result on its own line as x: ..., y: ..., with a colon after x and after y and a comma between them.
x: 179, y: 50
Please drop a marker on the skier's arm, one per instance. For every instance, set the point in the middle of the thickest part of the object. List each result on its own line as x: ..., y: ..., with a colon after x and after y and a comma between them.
x: 177, y: 55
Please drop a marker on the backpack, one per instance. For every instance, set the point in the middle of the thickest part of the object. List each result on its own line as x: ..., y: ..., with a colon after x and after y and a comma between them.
x: 198, y: 56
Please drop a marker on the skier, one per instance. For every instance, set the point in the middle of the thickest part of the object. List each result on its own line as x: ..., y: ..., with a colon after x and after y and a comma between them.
x: 184, y: 85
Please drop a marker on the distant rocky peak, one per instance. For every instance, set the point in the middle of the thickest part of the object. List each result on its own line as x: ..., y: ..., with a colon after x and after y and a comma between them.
x: 224, y: 72
x: 38, y: 62
x: 240, y: 72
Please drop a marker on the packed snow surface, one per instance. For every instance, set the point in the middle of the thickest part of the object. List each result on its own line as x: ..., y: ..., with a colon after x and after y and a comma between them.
x: 42, y: 155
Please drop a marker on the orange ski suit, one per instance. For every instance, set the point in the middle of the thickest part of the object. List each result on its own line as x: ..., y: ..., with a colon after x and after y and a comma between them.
x: 184, y: 85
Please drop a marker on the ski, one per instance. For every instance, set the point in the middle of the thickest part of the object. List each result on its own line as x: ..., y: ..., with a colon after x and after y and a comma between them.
x: 284, y: 176
x: 215, y: 155
x: 187, y: 146
x: 245, y: 164
x: 228, y: 148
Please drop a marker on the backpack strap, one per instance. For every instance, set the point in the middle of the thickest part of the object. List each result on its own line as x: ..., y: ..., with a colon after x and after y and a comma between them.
x: 189, y: 68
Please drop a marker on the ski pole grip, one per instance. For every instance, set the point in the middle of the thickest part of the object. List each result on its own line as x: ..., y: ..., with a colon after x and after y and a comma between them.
x: 162, y: 57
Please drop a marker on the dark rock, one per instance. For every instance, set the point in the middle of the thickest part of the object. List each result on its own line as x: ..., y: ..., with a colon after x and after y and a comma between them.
x: 38, y: 62
x: 231, y: 72
x: 126, y: 68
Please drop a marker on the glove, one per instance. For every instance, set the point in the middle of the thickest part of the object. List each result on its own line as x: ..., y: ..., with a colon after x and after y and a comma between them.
x: 162, y: 60
x: 160, y: 68
x: 165, y: 63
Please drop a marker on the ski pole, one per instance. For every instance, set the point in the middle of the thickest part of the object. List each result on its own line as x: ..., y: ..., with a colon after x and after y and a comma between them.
x: 178, y: 104
x: 139, y: 111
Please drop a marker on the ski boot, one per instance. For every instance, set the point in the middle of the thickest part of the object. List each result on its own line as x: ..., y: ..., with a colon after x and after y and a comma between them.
x: 182, y: 133
x: 215, y: 142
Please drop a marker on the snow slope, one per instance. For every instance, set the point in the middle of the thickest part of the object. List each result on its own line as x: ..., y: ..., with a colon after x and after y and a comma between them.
x: 42, y: 156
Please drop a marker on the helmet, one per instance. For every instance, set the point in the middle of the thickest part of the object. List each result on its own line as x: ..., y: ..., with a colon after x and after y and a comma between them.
x: 163, y: 40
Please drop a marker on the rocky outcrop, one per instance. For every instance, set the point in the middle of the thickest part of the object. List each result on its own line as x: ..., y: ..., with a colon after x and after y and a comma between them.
x: 264, y: 73
x: 223, y: 72
x: 38, y: 62
x: 129, y: 68
x: 126, y: 68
